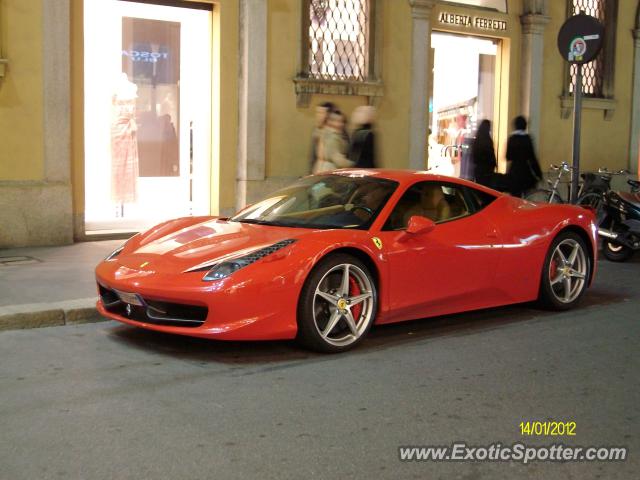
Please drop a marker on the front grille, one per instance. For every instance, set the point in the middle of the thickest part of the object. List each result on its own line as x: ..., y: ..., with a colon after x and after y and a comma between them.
x: 154, y: 311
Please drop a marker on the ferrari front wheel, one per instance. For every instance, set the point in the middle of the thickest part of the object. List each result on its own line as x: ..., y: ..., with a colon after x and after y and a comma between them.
x: 337, y: 305
x: 566, y: 272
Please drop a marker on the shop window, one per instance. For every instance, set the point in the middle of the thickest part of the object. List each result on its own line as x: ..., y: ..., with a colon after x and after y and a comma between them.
x: 597, y: 79
x: 338, y: 48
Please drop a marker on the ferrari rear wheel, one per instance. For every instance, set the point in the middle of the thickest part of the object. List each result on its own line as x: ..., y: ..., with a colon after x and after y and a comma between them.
x: 566, y: 272
x: 337, y: 305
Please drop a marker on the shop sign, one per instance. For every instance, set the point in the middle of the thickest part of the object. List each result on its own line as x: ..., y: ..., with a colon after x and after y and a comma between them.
x: 143, y: 56
x: 472, y: 21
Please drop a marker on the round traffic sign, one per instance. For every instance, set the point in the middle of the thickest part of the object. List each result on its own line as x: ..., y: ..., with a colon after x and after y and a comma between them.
x: 580, y: 38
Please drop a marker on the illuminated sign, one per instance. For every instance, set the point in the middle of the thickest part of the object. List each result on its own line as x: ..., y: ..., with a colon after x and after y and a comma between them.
x: 475, y: 21
x: 142, y: 56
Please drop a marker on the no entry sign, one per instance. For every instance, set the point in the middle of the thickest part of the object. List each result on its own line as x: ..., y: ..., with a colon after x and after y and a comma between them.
x: 580, y: 39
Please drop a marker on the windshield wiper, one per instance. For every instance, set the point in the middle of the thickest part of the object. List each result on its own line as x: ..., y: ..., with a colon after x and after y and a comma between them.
x: 254, y: 221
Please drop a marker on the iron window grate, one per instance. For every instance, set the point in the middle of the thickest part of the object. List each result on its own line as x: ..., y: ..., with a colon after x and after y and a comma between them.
x: 338, y: 39
x: 592, y: 72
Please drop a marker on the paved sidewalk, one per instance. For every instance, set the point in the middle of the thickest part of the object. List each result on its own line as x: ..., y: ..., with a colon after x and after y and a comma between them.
x: 46, y: 286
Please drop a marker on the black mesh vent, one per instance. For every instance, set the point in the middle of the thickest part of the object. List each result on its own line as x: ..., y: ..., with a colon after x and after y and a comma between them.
x: 263, y: 252
x: 154, y: 311
x: 253, y: 256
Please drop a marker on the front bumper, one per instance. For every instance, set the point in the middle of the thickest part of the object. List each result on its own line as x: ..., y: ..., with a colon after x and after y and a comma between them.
x: 240, y: 308
x: 144, y: 310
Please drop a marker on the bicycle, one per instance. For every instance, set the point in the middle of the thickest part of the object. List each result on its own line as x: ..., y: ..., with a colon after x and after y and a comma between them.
x: 550, y: 195
x: 592, y: 187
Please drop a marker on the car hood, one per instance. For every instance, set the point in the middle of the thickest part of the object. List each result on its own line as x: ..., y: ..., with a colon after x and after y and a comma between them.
x: 175, y: 249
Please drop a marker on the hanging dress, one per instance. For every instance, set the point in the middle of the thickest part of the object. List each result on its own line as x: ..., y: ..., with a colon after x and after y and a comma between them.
x: 124, y: 151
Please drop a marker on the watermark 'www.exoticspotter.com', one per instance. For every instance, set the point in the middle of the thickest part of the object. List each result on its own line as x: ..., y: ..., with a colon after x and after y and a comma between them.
x: 518, y: 452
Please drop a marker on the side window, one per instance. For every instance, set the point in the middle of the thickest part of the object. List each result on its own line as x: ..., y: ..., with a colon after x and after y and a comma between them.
x: 479, y: 199
x: 438, y: 201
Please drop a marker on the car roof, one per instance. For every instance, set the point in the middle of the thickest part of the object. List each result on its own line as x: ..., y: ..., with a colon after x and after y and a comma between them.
x: 407, y: 176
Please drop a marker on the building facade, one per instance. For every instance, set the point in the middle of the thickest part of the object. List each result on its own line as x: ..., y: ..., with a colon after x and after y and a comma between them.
x: 117, y: 114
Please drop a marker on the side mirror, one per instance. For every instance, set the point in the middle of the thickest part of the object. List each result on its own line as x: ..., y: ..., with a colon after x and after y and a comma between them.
x: 419, y: 225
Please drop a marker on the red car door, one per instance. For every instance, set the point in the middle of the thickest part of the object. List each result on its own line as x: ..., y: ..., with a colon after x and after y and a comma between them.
x: 449, y: 269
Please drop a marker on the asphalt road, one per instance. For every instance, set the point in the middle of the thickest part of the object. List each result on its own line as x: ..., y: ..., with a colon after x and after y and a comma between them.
x: 106, y: 401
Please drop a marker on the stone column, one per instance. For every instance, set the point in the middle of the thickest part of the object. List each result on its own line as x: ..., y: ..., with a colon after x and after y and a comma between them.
x: 39, y: 211
x: 533, y: 22
x: 57, y: 92
x: 420, y: 77
x: 634, y: 155
x: 252, y: 97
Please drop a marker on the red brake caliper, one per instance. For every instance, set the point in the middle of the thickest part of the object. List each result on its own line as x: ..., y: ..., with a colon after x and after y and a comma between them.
x: 354, y: 290
x: 553, y: 269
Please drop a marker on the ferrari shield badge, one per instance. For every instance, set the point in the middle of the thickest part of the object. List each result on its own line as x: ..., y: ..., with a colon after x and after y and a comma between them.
x: 377, y: 242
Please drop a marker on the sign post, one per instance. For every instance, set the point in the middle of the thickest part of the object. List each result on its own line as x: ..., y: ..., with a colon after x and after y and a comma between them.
x: 577, y: 125
x: 579, y: 41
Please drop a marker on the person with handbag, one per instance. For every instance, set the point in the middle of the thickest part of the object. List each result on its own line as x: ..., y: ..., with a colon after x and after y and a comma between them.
x: 332, y: 145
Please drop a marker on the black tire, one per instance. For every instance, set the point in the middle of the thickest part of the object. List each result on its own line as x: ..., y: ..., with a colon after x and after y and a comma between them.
x: 552, y: 295
x: 616, y: 252
x: 593, y: 201
x: 543, y: 196
x: 316, y: 313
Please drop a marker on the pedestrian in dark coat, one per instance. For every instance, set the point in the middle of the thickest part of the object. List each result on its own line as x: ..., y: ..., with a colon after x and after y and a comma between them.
x: 362, y: 149
x: 523, y: 169
x: 484, y: 156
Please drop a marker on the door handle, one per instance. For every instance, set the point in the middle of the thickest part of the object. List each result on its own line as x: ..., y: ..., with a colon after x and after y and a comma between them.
x: 492, y: 234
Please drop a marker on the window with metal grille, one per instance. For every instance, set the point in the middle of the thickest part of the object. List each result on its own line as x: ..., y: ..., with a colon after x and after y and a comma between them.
x: 594, y: 71
x: 338, y: 39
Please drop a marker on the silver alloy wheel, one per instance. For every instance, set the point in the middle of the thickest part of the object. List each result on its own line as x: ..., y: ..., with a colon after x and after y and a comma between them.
x: 343, y: 291
x: 568, y: 270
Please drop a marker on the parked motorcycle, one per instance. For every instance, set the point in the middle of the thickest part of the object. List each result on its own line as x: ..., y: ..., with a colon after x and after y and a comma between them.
x: 619, y: 226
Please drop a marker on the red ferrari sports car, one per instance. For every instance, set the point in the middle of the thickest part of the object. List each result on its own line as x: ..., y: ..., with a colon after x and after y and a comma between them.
x: 329, y: 256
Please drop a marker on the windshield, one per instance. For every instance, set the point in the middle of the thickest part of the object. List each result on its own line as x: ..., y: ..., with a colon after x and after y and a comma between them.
x: 326, y: 201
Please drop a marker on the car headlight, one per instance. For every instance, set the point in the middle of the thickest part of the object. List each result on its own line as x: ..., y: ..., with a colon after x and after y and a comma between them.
x: 224, y: 269
x: 115, y: 253
x: 228, y: 267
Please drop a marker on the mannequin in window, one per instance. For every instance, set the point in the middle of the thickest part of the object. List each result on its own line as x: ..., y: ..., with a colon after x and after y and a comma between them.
x: 124, y: 147
x: 462, y: 144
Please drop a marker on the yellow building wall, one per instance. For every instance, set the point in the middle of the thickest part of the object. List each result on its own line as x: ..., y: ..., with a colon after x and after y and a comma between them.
x: 393, y: 114
x: 289, y: 127
x: 21, y: 91
x: 228, y: 35
x: 77, y: 110
x: 603, y: 142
